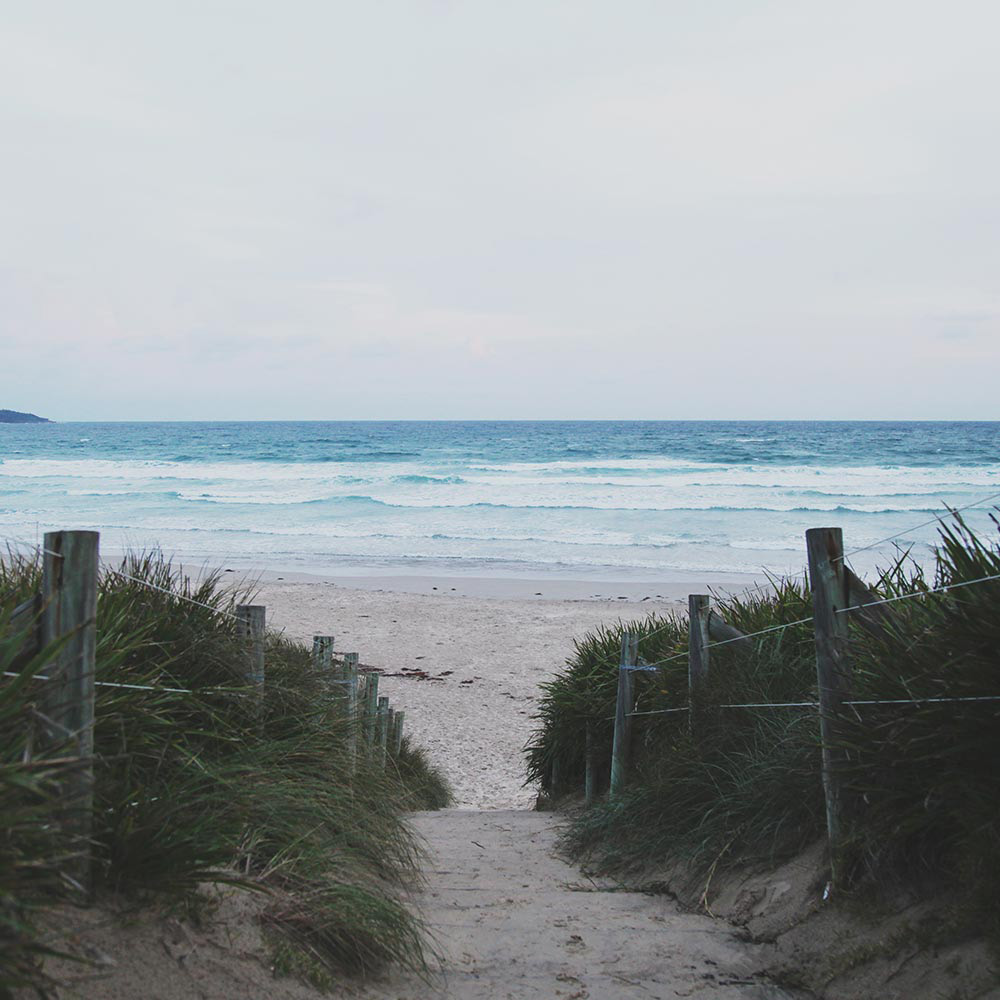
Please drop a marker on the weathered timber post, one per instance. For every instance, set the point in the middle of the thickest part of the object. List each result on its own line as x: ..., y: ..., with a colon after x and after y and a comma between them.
x: 382, y: 725
x: 360, y: 702
x: 340, y: 680
x: 250, y: 620
x: 69, y: 616
x: 831, y: 595
x: 351, y: 676
x: 623, y: 709
x: 699, y: 615
x: 371, y: 707
x: 588, y: 773
x: 358, y: 719
x: 397, y: 736
x: 323, y: 653
x: 351, y: 705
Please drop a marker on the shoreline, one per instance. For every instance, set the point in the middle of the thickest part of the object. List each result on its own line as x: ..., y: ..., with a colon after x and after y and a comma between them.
x: 672, y: 588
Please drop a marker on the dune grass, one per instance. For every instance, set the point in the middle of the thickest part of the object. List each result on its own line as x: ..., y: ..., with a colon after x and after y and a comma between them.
x: 210, y: 785
x: 32, y: 856
x: 745, y: 787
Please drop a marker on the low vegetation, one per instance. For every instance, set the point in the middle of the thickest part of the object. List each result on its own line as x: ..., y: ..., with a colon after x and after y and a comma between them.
x: 207, y: 783
x: 744, y: 785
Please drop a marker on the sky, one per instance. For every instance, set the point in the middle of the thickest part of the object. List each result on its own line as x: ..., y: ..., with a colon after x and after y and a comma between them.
x: 470, y: 210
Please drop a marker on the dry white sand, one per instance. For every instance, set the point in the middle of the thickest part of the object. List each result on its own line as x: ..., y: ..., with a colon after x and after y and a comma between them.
x: 487, y: 653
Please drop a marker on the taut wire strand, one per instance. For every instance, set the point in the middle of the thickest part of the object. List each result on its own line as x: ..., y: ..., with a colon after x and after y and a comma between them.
x: 133, y: 579
x: 916, y: 527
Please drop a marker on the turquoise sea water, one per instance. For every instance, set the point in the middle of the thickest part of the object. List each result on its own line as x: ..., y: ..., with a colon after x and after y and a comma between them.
x: 611, y: 499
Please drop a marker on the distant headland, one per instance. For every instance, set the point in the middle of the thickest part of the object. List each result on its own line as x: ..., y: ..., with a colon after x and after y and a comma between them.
x: 14, y: 417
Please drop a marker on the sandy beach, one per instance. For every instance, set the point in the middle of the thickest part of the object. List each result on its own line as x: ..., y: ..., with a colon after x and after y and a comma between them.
x: 485, y: 643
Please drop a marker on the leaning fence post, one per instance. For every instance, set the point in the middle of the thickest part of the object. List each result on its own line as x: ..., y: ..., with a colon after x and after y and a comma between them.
x: 382, y: 725
x: 69, y: 615
x: 371, y: 706
x: 250, y: 629
x: 831, y: 595
x: 397, y: 736
x: 351, y: 703
x: 358, y: 719
x: 699, y: 614
x: 323, y: 653
x: 623, y: 709
x: 351, y: 676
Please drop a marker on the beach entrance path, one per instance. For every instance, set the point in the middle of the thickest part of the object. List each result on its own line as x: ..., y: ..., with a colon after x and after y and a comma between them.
x: 512, y: 920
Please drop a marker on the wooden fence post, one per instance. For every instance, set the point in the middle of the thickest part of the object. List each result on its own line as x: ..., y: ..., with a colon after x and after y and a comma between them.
x: 370, y: 709
x: 623, y: 709
x: 358, y: 719
x: 250, y: 620
x: 351, y: 676
x: 382, y: 725
x: 69, y: 614
x: 323, y: 653
x: 588, y: 773
x: 397, y: 736
x: 699, y: 615
x: 828, y: 581
x: 351, y: 703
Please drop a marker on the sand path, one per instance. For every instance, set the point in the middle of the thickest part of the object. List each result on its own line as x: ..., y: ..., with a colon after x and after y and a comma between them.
x: 483, y: 660
x: 511, y: 919
x: 515, y: 921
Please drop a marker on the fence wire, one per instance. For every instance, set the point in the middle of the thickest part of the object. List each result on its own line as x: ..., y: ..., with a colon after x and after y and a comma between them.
x: 815, y: 704
x: 803, y: 621
x: 943, y: 589
x: 917, y: 527
x: 138, y: 687
x: 40, y: 549
x: 637, y: 668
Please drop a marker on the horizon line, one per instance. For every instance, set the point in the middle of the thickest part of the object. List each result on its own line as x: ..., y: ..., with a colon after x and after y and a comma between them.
x: 513, y: 420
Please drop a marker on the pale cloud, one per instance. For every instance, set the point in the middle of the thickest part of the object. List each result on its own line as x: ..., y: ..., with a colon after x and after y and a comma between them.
x: 468, y: 210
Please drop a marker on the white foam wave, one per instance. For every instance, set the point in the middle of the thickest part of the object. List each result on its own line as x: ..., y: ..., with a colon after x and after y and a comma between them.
x: 867, y: 489
x: 635, y: 512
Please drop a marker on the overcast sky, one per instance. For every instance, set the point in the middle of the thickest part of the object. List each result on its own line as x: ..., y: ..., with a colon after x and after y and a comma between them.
x: 697, y: 209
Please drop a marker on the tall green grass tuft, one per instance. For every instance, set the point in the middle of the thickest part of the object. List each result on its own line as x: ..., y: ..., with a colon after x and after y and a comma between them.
x: 32, y: 856
x: 210, y: 783
x: 924, y: 777
x: 745, y: 785
x: 585, y: 693
x: 426, y: 787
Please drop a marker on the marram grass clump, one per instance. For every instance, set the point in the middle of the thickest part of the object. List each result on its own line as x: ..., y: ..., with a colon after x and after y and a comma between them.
x: 923, y: 789
x: 215, y: 785
x: 425, y: 786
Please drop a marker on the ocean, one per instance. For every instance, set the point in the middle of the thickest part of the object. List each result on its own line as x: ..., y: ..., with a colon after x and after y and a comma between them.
x: 595, y: 500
